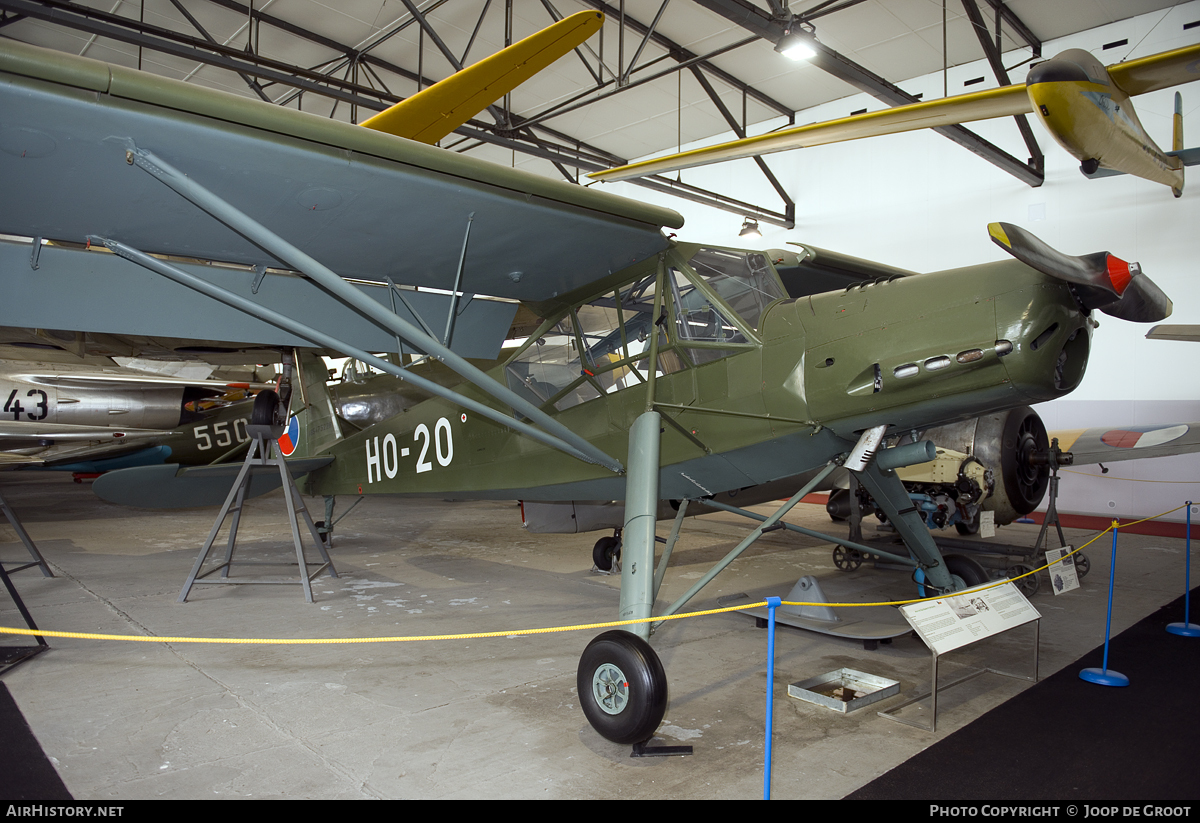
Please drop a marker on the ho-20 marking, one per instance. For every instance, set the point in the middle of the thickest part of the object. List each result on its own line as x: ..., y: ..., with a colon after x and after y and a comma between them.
x: 383, y: 458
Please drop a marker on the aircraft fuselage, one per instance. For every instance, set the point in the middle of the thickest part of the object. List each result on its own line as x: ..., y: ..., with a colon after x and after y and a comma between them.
x: 1093, y: 119
x: 910, y: 351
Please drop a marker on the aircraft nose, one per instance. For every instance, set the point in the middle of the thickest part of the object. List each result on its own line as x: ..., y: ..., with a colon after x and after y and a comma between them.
x: 1056, y: 71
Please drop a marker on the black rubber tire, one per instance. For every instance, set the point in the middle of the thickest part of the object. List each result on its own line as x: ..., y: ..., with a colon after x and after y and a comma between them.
x: 606, y: 550
x: 969, y: 528
x: 642, y: 702
x: 969, y: 570
x: 847, y: 560
x: 264, y: 408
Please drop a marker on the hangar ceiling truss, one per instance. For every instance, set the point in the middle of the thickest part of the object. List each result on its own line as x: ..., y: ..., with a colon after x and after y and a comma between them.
x: 354, y: 80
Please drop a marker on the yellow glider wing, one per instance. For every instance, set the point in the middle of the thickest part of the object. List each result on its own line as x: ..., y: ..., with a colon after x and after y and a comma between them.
x: 430, y: 115
x: 980, y: 105
x: 1158, y: 71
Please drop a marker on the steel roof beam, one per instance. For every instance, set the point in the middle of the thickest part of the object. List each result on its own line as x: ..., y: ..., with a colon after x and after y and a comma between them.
x: 1036, y: 159
x: 1017, y: 25
x: 681, y: 54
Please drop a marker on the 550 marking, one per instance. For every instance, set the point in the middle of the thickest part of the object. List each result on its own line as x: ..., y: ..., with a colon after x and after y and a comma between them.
x: 220, y: 431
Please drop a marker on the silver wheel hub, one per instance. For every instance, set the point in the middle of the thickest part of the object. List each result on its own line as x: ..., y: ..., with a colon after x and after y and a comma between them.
x: 610, y: 689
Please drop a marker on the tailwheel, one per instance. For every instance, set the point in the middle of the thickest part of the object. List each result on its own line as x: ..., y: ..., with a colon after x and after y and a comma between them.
x: 1027, y: 584
x: 622, y: 687
x: 847, y: 560
x: 1082, y: 564
x: 969, y: 527
x: 606, y: 551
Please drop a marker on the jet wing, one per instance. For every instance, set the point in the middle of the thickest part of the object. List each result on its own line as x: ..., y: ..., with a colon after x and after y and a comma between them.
x: 370, y: 205
x: 130, y: 381
x: 1108, y: 445
x: 1158, y: 71
x: 16, y: 434
x: 981, y: 105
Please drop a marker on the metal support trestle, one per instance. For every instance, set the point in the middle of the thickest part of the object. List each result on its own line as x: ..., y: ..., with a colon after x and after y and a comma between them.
x: 15, y: 522
x: 258, y: 459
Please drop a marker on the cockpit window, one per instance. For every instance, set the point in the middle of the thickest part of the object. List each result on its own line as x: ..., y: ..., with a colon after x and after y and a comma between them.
x: 604, y: 345
x: 744, y: 280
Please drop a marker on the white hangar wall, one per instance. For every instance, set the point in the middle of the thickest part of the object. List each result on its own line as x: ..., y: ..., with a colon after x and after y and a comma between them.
x: 921, y: 202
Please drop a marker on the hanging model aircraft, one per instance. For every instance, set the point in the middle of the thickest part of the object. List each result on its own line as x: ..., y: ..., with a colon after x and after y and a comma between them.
x: 1083, y: 105
x: 663, y: 370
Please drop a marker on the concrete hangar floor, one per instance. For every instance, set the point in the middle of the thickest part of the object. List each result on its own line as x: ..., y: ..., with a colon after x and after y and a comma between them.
x: 494, y: 718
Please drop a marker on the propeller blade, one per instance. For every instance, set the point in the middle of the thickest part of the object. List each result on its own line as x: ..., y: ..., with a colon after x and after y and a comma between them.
x: 1142, y: 302
x: 1100, y: 280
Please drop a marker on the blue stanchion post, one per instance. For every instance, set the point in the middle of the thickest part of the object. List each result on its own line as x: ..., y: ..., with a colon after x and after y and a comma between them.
x: 772, y: 604
x: 1186, y: 628
x: 1103, y: 676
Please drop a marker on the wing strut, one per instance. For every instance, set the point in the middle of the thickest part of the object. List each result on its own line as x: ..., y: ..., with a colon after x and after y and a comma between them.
x: 322, y: 340
x: 560, y: 436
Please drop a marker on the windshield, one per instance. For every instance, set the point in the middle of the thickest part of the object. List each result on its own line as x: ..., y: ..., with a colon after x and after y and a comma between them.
x: 744, y: 280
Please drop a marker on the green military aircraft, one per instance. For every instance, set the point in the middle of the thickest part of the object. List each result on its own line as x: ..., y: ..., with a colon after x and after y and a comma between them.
x: 662, y: 370
x: 696, y: 367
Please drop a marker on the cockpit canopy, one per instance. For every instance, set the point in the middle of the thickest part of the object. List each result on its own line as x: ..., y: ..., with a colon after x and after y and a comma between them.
x: 710, y: 308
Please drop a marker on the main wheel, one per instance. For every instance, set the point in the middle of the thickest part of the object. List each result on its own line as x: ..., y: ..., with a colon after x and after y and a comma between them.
x: 965, y: 569
x: 606, y: 550
x: 622, y: 687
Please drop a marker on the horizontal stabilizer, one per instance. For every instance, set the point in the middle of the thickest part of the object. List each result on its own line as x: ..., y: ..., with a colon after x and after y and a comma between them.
x: 174, y: 487
x: 1190, y: 157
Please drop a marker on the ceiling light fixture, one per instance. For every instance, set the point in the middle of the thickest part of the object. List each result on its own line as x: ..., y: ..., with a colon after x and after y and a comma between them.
x: 797, y: 42
x: 750, y: 228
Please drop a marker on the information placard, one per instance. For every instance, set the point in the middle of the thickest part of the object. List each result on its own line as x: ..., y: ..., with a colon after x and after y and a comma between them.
x: 1063, y: 577
x: 954, y: 621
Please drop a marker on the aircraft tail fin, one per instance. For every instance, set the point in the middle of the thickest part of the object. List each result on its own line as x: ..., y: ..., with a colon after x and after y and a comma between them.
x: 313, y: 425
x: 433, y: 113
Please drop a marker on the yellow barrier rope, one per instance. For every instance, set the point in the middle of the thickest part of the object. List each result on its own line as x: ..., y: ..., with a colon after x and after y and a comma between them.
x: 1128, y: 479
x: 311, y: 641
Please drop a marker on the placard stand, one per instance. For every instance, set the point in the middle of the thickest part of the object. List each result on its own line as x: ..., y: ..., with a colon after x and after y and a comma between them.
x: 962, y: 619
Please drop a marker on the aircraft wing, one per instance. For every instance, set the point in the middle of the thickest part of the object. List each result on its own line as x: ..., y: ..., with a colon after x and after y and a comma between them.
x: 370, y: 205
x: 435, y: 112
x: 980, y: 105
x: 1186, y: 333
x: 16, y: 434
x: 1158, y: 71
x: 130, y: 381
x: 1107, y: 444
